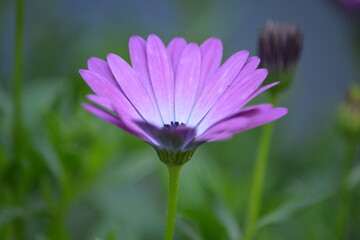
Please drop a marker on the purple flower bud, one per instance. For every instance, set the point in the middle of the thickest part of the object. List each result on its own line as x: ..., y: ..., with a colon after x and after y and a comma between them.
x: 279, y: 49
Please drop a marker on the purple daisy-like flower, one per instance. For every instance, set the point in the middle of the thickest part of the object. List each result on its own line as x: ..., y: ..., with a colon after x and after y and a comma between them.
x: 177, y: 97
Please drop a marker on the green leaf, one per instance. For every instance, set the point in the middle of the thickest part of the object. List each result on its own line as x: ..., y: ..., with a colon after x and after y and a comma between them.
x: 136, y: 167
x: 291, y: 208
x: 228, y: 220
x: 188, y: 228
x: 50, y: 157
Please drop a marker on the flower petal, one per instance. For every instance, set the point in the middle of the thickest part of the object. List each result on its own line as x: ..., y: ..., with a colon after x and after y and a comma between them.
x: 131, y: 126
x: 259, y: 91
x: 114, y: 120
x: 175, y: 49
x: 250, y: 66
x: 243, y: 120
x: 137, y: 48
x: 133, y: 89
x: 211, y: 54
x: 162, y: 78
x: 217, y: 85
x: 174, y: 139
x: 221, y: 127
x: 102, y: 68
x: 103, y: 114
x: 104, y: 88
x: 231, y: 101
x: 187, y: 81
x: 101, y: 101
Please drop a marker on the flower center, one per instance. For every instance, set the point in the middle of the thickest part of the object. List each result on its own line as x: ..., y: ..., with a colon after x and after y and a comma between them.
x: 173, y: 125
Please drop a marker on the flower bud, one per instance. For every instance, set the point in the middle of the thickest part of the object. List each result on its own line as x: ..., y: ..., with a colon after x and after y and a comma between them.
x: 349, y: 114
x: 279, y: 47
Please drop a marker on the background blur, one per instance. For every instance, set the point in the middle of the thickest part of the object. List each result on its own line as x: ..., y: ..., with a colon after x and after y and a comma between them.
x: 81, y: 178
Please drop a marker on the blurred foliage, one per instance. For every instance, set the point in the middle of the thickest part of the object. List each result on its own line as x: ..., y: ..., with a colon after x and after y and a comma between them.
x: 80, y: 178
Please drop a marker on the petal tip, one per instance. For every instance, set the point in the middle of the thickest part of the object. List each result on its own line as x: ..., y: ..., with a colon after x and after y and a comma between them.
x: 93, y: 59
x: 213, y: 40
x: 192, y: 46
x: 136, y: 38
x: 112, y: 58
x: 152, y: 36
x: 284, y: 110
x: 111, y: 55
x: 87, y: 106
x: 91, y: 96
x: 255, y: 59
x: 245, y: 53
x: 280, y: 112
x: 178, y: 39
x: 83, y: 72
x: 263, y: 72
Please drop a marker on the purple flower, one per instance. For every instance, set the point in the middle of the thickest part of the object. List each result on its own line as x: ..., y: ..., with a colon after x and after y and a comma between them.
x: 178, y: 97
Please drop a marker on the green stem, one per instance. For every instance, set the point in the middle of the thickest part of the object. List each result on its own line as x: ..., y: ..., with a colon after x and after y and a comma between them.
x: 57, y: 230
x: 18, y: 74
x: 344, y: 205
x: 17, y: 224
x: 174, y: 173
x: 258, y: 179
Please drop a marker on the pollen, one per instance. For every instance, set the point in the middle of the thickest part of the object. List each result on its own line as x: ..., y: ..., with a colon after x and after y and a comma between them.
x: 173, y: 125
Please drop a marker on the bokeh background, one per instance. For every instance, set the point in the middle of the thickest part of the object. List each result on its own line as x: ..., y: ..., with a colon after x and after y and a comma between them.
x: 81, y: 178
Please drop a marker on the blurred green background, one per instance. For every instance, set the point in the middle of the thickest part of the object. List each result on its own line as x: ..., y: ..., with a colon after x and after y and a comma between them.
x: 78, y: 177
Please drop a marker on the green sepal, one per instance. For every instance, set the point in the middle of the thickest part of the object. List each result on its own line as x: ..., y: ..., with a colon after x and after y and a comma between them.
x: 170, y: 158
x: 284, y: 79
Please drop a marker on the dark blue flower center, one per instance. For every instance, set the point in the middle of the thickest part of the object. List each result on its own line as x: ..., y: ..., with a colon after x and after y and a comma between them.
x: 173, y: 125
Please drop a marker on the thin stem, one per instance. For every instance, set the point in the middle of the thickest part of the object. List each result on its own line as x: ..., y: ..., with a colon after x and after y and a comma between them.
x: 344, y: 205
x: 258, y: 179
x: 174, y: 173
x: 18, y: 223
x: 57, y: 230
x: 18, y: 75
